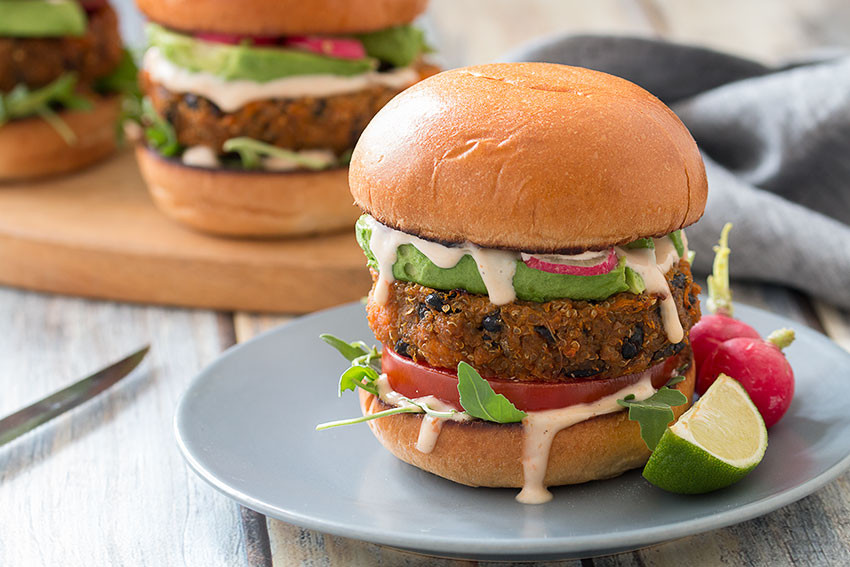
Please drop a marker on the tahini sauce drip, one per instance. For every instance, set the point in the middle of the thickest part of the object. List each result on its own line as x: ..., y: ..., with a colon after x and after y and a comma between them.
x: 497, y: 267
x: 231, y: 95
x: 541, y: 427
x: 653, y: 265
x: 429, y: 429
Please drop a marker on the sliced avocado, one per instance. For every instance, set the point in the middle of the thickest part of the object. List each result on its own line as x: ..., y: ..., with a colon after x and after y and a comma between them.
x: 676, y: 237
x: 640, y: 243
x: 42, y: 18
x: 635, y: 281
x: 530, y: 284
x: 261, y: 64
x: 398, y: 46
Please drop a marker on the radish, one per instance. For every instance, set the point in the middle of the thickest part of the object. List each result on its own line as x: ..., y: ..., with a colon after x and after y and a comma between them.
x: 760, y: 367
x: 585, y: 264
x: 719, y: 326
x: 342, y: 48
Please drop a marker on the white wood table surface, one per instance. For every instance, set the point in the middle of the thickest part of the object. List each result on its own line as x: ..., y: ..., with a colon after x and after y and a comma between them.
x: 105, y: 485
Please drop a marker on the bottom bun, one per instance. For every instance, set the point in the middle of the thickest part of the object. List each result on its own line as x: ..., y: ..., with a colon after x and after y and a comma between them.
x: 481, y: 453
x: 30, y: 147
x: 249, y: 203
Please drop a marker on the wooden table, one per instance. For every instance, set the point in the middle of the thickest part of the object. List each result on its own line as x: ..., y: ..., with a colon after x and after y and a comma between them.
x: 104, y: 484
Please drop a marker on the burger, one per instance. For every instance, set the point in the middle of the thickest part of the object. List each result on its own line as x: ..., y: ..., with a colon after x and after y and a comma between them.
x: 62, y: 69
x: 532, y: 286
x: 253, y: 108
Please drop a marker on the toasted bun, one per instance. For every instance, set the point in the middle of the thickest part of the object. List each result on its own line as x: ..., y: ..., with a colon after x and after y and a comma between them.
x: 248, y: 203
x: 31, y: 147
x: 479, y: 453
x: 282, y: 17
x: 529, y: 156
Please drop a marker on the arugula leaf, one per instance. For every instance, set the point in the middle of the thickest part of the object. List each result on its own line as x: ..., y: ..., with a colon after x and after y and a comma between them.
x: 655, y: 413
x: 124, y: 79
x: 21, y: 102
x: 359, y: 377
x: 160, y: 135
x: 365, y: 364
x: 349, y: 350
x: 370, y: 417
x: 251, y: 151
x: 479, y: 400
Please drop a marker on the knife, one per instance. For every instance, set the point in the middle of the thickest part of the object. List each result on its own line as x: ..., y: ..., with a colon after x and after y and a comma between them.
x: 27, y: 419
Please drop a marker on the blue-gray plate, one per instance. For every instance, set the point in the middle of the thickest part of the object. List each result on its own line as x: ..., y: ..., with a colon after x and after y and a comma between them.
x: 246, y: 426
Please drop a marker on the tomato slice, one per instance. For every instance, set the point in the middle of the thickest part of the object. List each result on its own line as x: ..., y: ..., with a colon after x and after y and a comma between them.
x: 416, y: 380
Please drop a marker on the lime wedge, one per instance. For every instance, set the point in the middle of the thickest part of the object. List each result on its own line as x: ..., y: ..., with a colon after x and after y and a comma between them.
x: 714, y: 444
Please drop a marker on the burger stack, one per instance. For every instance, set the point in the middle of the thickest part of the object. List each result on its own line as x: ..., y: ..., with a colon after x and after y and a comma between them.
x: 61, y: 65
x: 252, y: 108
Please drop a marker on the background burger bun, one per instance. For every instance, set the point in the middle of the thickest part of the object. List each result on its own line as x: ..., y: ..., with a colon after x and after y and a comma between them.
x: 31, y: 147
x: 281, y: 17
x: 248, y: 203
x: 529, y: 156
x: 479, y: 453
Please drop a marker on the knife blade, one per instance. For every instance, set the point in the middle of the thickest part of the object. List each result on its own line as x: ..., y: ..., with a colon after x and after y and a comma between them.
x: 27, y: 419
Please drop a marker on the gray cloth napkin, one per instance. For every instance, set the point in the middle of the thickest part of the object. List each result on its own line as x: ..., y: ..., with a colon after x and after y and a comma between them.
x: 776, y: 144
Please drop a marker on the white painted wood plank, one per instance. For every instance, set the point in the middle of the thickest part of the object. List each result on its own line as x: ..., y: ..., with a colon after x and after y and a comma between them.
x: 104, y: 484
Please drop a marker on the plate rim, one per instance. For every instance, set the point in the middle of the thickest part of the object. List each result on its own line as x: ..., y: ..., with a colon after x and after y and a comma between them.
x: 535, y: 547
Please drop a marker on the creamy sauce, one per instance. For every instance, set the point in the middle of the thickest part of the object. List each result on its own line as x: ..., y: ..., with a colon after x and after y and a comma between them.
x: 541, y: 427
x: 200, y: 156
x: 277, y: 163
x: 497, y: 267
x: 232, y: 95
x: 652, y: 265
x: 429, y: 429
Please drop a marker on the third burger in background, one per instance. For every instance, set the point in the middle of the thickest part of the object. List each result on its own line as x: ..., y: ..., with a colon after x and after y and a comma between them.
x: 252, y: 108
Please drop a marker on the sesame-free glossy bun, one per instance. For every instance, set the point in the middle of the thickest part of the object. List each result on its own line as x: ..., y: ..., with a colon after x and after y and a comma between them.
x: 248, y: 203
x: 281, y: 17
x: 529, y: 156
x: 30, y: 147
x: 480, y: 453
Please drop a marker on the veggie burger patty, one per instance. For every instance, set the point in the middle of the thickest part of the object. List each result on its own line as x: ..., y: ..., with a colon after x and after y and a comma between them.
x: 37, y: 61
x: 530, y: 341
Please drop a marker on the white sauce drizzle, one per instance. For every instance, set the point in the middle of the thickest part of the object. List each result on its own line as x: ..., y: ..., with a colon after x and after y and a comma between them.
x: 200, y: 156
x: 652, y: 265
x: 541, y: 427
x: 429, y: 429
x: 277, y: 163
x: 232, y: 95
x: 497, y: 267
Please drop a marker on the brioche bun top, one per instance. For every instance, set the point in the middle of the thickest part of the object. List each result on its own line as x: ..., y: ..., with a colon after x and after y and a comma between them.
x: 282, y: 17
x: 529, y: 156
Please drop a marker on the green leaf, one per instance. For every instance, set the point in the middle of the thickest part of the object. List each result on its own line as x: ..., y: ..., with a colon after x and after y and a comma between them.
x: 359, y: 377
x: 479, y: 400
x: 349, y: 350
x: 252, y: 151
x: 655, y: 413
x: 370, y: 417
x: 124, y: 79
x: 160, y: 135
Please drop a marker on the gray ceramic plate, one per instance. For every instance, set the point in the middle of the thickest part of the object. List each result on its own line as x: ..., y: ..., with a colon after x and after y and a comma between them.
x: 246, y: 425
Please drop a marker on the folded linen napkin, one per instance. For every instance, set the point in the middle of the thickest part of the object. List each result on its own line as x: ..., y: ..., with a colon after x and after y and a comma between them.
x: 776, y: 144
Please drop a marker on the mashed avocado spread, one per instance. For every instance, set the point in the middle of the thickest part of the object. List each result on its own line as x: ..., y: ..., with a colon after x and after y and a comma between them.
x: 40, y: 18
x: 532, y: 285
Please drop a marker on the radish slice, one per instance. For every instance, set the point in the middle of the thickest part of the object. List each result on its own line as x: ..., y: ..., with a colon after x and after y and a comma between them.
x: 585, y: 264
x: 236, y: 39
x: 334, y: 47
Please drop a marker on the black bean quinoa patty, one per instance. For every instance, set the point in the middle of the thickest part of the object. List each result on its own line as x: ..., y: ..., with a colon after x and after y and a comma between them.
x: 530, y: 341
x: 333, y: 122
x: 36, y: 62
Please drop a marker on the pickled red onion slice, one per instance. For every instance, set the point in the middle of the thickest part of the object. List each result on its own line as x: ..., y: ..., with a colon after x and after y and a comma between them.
x: 585, y: 264
x: 334, y: 47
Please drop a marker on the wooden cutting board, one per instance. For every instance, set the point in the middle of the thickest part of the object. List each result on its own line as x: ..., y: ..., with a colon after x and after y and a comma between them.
x: 97, y: 234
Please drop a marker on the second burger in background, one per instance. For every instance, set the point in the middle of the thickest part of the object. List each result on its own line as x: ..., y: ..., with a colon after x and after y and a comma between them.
x: 252, y: 108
